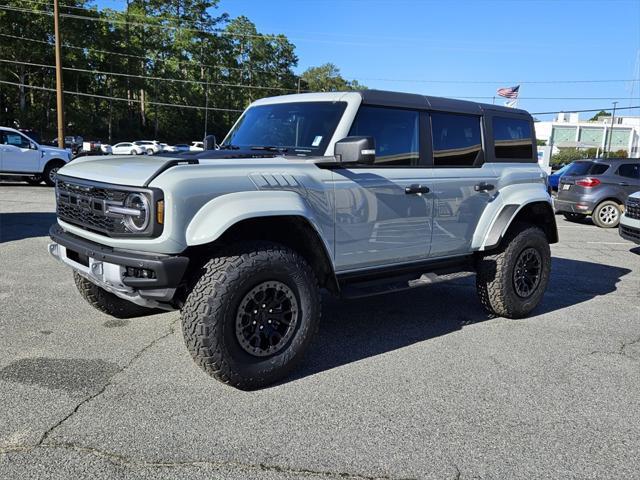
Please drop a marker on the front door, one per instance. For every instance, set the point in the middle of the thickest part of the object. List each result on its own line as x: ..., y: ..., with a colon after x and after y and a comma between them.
x: 383, y: 211
x: 17, y: 154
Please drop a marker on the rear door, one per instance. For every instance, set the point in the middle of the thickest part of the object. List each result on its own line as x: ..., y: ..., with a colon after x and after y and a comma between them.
x: 384, y: 210
x: 463, y: 183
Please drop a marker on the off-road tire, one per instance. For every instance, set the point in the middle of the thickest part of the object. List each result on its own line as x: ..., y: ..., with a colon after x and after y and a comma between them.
x: 495, y: 273
x: 574, y: 217
x: 51, y: 167
x: 209, y: 313
x: 107, y: 302
x: 596, y: 216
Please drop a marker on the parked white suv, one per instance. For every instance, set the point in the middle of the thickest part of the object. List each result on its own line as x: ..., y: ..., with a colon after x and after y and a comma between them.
x: 151, y: 147
x: 24, y: 157
x: 127, y: 148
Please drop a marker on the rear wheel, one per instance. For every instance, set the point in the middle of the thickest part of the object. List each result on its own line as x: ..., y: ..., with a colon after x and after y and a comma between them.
x: 149, y: 151
x: 606, y: 214
x: 50, y: 172
x: 511, y: 281
x: 574, y: 217
x: 252, y: 314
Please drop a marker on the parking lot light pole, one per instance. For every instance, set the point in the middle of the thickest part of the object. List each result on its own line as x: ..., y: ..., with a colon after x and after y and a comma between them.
x: 59, y: 98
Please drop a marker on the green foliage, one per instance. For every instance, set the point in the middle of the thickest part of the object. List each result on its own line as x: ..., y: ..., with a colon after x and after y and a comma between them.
x: 601, y: 113
x: 541, y: 143
x: 568, y: 155
x: 327, y: 78
x: 215, y: 61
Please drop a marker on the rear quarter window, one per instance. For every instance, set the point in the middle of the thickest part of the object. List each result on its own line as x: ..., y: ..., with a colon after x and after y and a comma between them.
x: 512, y: 138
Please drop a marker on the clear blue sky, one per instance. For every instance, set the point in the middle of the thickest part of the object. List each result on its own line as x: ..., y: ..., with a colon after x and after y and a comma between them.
x: 503, y: 42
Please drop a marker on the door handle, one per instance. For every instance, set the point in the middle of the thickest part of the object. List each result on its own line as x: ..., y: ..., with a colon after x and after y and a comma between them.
x: 624, y: 184
x: 483, y: 187
x: 416, y: 188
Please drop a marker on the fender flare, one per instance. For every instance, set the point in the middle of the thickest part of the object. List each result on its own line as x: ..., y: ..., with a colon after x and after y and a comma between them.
x: 218, y: 215
x: 504, y: 219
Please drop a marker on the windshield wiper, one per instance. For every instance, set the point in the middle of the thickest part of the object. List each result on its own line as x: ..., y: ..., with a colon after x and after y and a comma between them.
x: 270, y: 148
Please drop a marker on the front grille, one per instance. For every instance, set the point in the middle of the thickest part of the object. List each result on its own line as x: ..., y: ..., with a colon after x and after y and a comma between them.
x: 84, y: 205
x: 632, y: 209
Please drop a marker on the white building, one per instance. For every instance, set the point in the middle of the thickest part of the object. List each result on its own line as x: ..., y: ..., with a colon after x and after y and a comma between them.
x: 568, y: 131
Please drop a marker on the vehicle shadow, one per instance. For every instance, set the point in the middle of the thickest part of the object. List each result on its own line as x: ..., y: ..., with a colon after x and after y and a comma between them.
x: 353, y: 330
x: 21, y: 225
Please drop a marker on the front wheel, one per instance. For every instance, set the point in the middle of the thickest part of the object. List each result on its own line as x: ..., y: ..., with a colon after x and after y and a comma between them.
x: 606, y: 214
x: 251, y: 315
x: 50, y: 173
x: 107, y: 302
x: 512, y: 280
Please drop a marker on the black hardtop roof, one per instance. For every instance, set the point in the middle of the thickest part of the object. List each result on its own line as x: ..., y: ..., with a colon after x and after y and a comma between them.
x: 413, y: 100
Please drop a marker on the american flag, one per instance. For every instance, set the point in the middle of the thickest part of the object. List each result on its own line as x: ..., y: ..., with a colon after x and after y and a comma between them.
x: 509, y: 92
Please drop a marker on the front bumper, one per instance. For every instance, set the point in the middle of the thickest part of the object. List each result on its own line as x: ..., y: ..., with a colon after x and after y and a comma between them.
x: 629, y: 229
x: 107, y: 268
x: 573, y: 207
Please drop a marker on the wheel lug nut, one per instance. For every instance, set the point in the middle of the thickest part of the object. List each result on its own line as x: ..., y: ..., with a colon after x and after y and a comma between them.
x: 261, y: 327
x: 271, y: 310
x: 255, y: 311
x: 268, y: 321
x: 254, y: 322
x: 263, y: 305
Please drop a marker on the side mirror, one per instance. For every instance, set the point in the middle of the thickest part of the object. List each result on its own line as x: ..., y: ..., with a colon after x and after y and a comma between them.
x: 356, y: 150
x: 210, y: 142
x: 33, y: 146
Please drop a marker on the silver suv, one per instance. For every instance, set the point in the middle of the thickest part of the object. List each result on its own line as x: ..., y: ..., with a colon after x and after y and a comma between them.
x: 358, y: 193
x: 598, y: 188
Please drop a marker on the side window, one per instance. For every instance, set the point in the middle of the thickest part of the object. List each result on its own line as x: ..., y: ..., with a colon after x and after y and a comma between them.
x: 629, y: 170
x: 395, y: 132
x: 512, y: 138
x: 457, y: 139
x: 598, y: 169
x: 16, y: 140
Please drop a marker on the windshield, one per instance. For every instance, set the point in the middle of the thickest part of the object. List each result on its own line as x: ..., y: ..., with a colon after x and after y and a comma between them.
x: 303, y: 128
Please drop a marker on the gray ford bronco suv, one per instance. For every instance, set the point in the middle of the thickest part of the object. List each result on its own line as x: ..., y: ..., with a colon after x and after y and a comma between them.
x: 358, y: 193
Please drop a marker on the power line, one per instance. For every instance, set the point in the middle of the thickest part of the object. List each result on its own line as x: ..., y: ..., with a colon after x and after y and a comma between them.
x: 106, y: 97
x: 583, y: 111
x: 148, y: 77
x: 193, y: 63
x: 254, y: 70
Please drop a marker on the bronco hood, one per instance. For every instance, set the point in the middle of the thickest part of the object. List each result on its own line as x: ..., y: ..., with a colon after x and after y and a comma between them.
x: 139, y: 170
x: 132, y: 170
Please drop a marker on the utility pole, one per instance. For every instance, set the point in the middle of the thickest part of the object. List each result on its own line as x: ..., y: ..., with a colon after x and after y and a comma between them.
x: 613, y: 119
x: 59, y: 94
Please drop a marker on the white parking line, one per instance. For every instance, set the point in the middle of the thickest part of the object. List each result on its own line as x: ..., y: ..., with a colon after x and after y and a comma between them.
x: 611, y: 243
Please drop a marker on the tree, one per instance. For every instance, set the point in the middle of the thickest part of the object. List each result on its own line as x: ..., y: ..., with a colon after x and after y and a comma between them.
x: 601, y: 113
x: 568, y: 155
x: 327, y: 78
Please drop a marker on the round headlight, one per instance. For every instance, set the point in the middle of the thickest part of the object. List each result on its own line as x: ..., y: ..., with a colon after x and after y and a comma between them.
x: 137, y: 223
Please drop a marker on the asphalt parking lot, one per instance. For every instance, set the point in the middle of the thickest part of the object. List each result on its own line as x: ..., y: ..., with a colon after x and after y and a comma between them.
x: 411, y: 385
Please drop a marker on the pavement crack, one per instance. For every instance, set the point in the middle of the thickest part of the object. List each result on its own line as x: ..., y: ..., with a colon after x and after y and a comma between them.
x: 621, y: 351
x: 123, y: 460
x: 99, y: 392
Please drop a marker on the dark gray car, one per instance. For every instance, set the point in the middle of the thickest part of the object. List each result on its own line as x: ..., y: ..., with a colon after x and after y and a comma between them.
x: 598, y: 188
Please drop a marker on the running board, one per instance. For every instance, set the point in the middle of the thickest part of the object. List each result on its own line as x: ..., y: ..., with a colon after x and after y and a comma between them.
x: 398, y: 284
